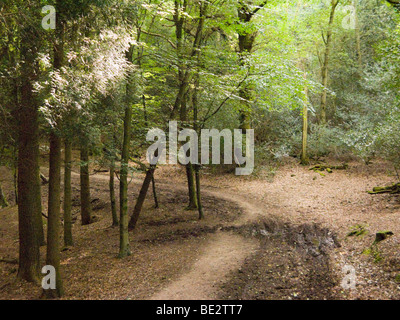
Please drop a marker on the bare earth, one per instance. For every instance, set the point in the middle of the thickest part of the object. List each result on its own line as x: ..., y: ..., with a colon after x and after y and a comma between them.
x: 284, y: 239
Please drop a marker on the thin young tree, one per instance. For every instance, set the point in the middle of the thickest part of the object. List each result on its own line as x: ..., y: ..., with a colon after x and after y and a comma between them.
x: 68, y: 239
x: 325, y: 65
x: 124, y: 249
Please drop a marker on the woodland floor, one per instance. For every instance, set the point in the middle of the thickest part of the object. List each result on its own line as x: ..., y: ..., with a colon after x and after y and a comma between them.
x: 280, y: 238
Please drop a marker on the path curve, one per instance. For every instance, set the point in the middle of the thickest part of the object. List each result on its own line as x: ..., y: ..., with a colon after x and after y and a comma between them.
x: 224, y: 253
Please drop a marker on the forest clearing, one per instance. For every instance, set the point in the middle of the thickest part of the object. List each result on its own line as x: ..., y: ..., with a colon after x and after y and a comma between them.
x: 199, y: 150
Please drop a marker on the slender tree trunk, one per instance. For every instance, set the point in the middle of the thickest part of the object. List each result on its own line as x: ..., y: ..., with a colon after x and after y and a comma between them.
x: 15, y: 175
x: 179, y: 20
x: 358, y: 42
x: 200, y: 206
x: 246, y: 43
x: 197, y: 166
x: 124, y: 249
x: 141, y: 198
x: 325, y: 68
x: 304, y: 156
x: 191, y: 187
x: 53, y: 221
x: 68, y: 240
x: 153, y: 183
x: 3, y: 200
x: 189, y: 166
x: 86, y: 210
x: 29, y: 193
x: 115, y: 222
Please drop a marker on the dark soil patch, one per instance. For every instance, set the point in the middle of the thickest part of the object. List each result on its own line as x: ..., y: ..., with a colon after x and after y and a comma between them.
x: 292, y: 263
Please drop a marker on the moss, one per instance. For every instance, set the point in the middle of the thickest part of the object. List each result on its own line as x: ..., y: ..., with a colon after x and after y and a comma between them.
x: 374, y: 252
x: 357, y: 230
x: 367, y: 251
x: 323, y: 175
x: 382, y: 235
x: 316, y: 242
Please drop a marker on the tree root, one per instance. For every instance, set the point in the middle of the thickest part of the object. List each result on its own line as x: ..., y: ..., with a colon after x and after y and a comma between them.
x: 390, y: 189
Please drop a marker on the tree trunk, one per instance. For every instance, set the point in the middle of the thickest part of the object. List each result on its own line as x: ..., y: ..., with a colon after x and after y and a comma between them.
x: 15, y: 175
x: 141, y: 198
x: 246, y: 42
x: 195, y: 126
x: 325, y: 68
x: 3, y: 200
x: 124, y: 249
x: 53, y: 221
x: 358, y: 42
x: 153, y: 182
x: 191, y: 187
x: 68, y: 240
x: 304, y: 157
x: 86, y: 210
x: 29, y: 193
x: 200, y: 206
x: 115, y: 222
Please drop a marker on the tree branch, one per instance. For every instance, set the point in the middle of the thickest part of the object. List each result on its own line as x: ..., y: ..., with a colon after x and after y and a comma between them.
x: 160, y: 36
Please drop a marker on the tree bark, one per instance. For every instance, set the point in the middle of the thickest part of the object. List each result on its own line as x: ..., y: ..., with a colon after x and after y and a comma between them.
x: 304, y: 156
x: 153, y: 182
x: 29, y: 193
x: 198, y: 192
x: 141, y: 198
x: 325, y: 68
x: 115, y: 221
x: 196, y: 128
x: 53, y: 221
x: 15, y: 176
x: 191, y: 187
x: 246, y: 40
x: 68, y: 240
x: 124, y: 249
x: 358, y: 42
x: 86, y: 210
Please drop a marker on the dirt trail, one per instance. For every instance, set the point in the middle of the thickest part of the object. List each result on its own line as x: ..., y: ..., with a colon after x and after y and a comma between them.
x: 224, y: 253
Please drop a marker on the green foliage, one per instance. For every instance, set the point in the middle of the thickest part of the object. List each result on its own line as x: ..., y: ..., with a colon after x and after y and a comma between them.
x: 357, y: 230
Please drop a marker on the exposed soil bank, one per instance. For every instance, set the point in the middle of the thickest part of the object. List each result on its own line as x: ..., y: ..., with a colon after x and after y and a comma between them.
x: 291, y: 263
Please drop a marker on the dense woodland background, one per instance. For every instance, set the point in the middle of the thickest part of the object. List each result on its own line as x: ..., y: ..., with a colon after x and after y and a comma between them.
x: 313, y: 78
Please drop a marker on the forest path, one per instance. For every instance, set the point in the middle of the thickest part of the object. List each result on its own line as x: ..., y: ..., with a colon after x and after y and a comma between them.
x: 224, y: 253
